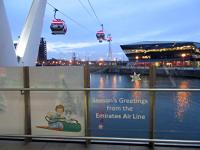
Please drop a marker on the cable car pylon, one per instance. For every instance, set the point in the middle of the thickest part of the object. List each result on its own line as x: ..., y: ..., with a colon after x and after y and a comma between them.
x: 109, y: 40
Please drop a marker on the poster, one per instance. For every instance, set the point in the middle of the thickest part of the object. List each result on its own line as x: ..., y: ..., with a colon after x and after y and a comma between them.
x: 57, y: 112
x: 11, y: 102
x: 123, y: 114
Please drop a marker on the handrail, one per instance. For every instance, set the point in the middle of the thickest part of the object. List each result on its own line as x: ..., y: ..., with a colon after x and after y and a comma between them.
x: 104, y: 138
x: 102, y: 89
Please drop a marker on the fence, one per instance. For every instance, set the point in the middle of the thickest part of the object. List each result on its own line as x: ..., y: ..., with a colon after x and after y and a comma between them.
x: 86, y: 135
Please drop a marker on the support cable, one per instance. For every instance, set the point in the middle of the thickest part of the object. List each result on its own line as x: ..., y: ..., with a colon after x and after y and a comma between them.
x: 70, y: 18
x: 98, y: 20
x: 85, y: 8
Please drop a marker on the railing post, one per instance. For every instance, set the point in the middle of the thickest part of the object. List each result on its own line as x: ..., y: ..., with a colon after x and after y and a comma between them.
x: 152, y: 82
x: 27, y: 105
x: 87, y: 101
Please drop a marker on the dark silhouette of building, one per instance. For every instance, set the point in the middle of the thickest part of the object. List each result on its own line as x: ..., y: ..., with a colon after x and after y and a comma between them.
x: 42, y: 53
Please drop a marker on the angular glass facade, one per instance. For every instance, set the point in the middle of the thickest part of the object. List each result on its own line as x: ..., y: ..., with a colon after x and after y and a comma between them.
x: 162, y: 51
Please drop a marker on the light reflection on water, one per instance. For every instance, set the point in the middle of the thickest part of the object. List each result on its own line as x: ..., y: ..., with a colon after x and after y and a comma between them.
x: 137, y: 94
x: 182, y: 100
x: 114, y: 81
x: 101, y: 82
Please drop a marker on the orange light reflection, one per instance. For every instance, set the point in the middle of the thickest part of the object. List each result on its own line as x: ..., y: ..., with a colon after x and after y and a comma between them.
x: 137, y: 94
x: 183, y: 99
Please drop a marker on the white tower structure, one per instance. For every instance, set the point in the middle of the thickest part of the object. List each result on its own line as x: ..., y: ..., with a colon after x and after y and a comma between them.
x: 7, y: 52
x: 29, y: 41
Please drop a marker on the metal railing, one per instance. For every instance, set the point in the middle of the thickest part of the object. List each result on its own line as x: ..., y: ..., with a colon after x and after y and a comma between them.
x: 86, y: 138
x: 102, y: 89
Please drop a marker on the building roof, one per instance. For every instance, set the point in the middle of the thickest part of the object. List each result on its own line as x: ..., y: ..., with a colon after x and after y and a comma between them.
x: 158, y: 44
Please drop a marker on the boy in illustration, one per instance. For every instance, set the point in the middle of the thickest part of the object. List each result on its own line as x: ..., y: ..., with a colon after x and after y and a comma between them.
x: 55, y: 120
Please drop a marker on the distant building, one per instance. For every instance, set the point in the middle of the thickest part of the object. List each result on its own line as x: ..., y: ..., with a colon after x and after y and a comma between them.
x: 42, y: 53
x: 173, y: 53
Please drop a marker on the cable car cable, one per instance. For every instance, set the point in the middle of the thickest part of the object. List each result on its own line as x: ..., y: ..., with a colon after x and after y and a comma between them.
x: 94, y: 12
x: 55, y: 10
x: 73, y: 20
x: 85, y: 8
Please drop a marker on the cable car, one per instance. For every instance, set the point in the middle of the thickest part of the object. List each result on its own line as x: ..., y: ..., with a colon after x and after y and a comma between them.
x: 100, y: 35
x: 57, y: 25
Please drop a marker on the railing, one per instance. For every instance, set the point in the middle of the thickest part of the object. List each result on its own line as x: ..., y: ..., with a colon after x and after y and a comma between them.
x: 103, y: 89
x: 152, y: 141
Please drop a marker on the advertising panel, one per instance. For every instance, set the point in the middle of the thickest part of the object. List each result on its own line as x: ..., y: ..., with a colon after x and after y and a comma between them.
x: 57, y: 112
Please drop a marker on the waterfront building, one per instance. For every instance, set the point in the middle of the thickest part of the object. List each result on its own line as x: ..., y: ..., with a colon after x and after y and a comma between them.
x: 171, y: 53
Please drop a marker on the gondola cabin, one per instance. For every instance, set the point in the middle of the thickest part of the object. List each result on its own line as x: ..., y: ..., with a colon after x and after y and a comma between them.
x: 100, y: 36
x: 58, y: 27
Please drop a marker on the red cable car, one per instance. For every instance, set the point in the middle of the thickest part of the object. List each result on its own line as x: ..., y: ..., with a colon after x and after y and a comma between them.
x: 57, y: 25
x: 100, y: 35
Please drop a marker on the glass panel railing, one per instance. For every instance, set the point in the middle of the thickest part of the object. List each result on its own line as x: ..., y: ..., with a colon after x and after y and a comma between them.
x: 119, y: 114
x: 58, y: 113
x: 11, y: 102
x: 177, y: 115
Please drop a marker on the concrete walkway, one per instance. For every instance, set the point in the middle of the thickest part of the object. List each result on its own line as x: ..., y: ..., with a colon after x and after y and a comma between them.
x: 18, y: 145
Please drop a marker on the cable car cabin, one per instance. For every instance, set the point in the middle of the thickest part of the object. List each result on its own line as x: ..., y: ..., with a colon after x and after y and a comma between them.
x: 100, y: 36
x: 58, y: 27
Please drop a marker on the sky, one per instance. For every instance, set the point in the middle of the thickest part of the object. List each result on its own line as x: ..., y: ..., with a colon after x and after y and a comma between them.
x: 128, y: 21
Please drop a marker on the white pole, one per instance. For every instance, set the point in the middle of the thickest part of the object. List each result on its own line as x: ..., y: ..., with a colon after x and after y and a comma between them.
x: 7, y: 52
x: 28, y: 45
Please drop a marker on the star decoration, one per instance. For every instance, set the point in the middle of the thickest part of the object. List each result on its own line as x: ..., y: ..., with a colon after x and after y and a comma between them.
x: 135, y: 77
x: 100, y: 126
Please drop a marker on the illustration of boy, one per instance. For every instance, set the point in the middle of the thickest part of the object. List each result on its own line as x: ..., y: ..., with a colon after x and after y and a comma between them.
x: 55, y: 120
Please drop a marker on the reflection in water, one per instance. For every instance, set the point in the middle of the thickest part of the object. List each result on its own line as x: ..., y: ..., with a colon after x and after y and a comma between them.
x: 114, y: 84
x: 183, y: 99
x: 114, y: 81
x: 101, y: 94
x: 101, y: 106
x: 137, y: 94
x: 101, y: 82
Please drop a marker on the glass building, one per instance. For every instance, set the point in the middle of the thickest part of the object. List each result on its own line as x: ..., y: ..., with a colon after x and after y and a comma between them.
x: 173, y: 53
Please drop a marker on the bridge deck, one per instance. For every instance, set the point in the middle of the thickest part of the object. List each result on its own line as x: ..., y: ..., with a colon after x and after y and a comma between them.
x: 19, y: 145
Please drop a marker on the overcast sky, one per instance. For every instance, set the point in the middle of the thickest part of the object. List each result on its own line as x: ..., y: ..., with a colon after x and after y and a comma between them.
x: 128, y: 21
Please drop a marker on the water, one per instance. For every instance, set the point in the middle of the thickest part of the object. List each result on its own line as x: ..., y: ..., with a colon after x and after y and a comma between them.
x: 177, y: 113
